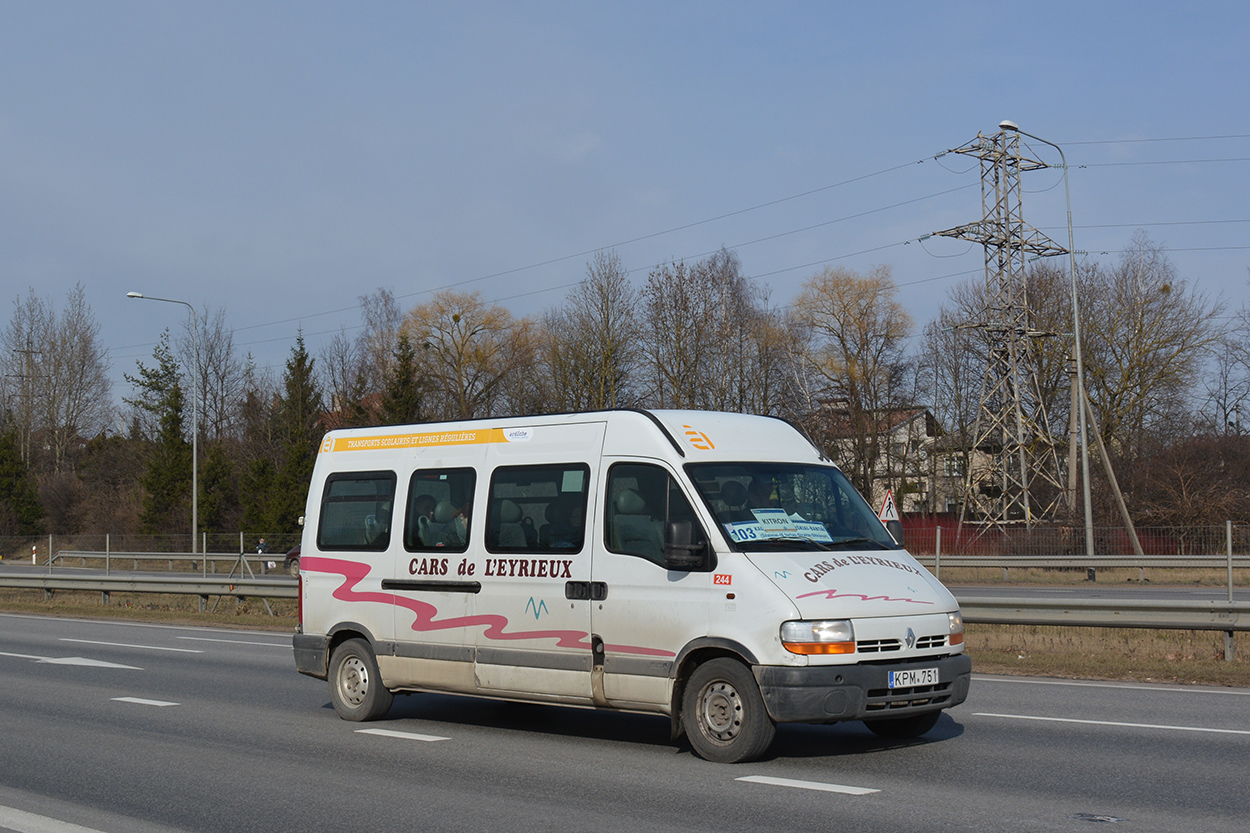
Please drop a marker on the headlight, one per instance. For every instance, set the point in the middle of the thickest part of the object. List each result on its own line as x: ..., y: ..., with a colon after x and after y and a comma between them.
x: 823, y: 636
x: 957, y: 627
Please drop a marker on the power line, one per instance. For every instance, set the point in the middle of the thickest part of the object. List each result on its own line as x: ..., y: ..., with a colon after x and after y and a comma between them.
x: 1170, y: 139
x: 1162, y: 162
x: 756, y: 207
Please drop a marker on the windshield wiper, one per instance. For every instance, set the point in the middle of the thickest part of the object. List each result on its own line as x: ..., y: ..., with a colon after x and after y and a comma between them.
x: 788, y: 543
x: 859, y: 540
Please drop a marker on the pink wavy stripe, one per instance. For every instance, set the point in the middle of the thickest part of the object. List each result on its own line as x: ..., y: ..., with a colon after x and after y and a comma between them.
x: 834, y: 594
x: 495, y: 624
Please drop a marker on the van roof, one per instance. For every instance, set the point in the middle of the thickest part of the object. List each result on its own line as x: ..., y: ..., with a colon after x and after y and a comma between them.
x: 692, y: 435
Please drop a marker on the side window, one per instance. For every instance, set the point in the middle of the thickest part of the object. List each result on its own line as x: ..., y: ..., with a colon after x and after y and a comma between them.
x: 356, y: 511
x: 538, y: 508
x: 641, y: 499
x: 439, y: 510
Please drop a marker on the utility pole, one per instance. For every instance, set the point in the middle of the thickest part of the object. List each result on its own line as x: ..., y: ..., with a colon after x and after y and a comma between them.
x: 1014, y: 475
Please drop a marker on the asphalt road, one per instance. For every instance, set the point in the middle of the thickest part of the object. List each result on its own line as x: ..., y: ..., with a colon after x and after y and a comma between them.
x: 121, y: 728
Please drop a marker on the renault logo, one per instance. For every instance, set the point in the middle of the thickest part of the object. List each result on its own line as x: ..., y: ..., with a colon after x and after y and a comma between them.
x: 910, y: 639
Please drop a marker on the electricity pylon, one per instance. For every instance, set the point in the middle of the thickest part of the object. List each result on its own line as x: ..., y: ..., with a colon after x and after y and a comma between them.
x: 1013, y: 476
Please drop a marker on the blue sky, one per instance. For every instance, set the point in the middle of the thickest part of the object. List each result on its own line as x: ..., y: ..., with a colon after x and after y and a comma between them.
x: 278, y: 160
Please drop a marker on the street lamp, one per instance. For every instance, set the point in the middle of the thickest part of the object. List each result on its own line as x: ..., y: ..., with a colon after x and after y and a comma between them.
x: 1076, y: 333
x: 195, y: 422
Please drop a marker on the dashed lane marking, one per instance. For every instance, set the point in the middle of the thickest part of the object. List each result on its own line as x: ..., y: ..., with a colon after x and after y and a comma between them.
x: 391, y: 733
x: 1115, y: 723
x: 24, y: 822
x: 286, y: 645
x: 128, y: 645
x: 142, y: 702
x: 807, y: 785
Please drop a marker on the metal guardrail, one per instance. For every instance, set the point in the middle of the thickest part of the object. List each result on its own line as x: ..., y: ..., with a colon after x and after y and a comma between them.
x: 1165, y: 614
x: 1182, y: 614
x: 278, y: 588
x: 1239, y: 562
x: 240, y: 582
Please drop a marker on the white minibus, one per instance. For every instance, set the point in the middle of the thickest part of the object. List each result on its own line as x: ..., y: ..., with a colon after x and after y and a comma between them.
x: 715, y: 568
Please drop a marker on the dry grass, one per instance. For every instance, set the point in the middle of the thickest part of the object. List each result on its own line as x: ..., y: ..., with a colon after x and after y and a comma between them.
x: 1108, y: 654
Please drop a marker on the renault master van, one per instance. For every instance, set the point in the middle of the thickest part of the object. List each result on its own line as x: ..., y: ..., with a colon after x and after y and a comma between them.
x: 716, y: 568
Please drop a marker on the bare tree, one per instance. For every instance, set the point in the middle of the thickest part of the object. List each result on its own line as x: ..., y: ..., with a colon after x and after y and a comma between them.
x: 220, y: 374
x: 467, y: 352
x: 1228, y: 387
x: 856, y: 360
x: 343, y: 375
x: 60, y: 372
x: 588, y: 350
x: 379, y: 340
x: 709, y: 340
x: 1148, y: 334
x: 355, y: 371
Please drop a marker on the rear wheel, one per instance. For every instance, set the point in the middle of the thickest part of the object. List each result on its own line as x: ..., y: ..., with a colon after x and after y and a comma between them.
x: 724, y: 714
x: 904, y: 727
x: 355, y: 684
x: 293, y: 568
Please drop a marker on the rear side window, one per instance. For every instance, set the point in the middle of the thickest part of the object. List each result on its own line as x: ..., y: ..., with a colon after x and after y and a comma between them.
x: 538, y: 508
x: 439, y: 510
x: 356, y: 510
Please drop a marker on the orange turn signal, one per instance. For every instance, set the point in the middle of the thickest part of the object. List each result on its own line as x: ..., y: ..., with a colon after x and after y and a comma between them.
x: 820, y: 647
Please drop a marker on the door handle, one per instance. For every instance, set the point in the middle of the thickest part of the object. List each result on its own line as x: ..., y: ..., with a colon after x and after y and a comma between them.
x: 595, y: 591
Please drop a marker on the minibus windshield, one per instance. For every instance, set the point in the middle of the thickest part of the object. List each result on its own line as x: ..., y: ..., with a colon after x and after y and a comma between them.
x: 787, y: 506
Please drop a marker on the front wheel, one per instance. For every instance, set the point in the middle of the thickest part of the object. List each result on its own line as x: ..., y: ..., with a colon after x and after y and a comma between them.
x: 903, y: 727
x: 724, y: 714
x: 355, y: 684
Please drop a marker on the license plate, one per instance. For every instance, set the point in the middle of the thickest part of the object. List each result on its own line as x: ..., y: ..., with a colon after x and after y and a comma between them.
x: 913, y: 677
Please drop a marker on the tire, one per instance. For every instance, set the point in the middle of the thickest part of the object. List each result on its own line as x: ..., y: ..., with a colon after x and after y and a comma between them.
x: 293, y: 568
x: 899, y: 728
x: 724, y: 714
x: 355, y: 684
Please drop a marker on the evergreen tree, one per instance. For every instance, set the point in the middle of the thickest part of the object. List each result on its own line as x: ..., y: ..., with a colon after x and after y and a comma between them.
x: 256, y: 489
x: 401, y: 401
x: 299, y: 428
x: 167, y: 479
x: 20, y: 510
x: 218, y: 492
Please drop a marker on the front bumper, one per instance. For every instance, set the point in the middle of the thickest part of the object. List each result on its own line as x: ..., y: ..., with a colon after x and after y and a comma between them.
x: 830, y: 693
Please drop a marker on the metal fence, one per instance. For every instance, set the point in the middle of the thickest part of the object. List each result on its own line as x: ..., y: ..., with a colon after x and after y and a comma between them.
x: 926, y: 537
x: 38, y: 549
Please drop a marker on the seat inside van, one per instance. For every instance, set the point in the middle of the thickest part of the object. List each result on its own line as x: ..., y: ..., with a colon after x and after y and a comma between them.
x: 634, y: 530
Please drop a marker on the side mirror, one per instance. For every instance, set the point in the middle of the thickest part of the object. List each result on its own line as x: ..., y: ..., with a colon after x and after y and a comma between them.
x: 679, y: 553
x: 895, y: 528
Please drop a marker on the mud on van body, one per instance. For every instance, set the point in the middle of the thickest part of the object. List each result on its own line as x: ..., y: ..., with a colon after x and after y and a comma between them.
x: 712, y: 567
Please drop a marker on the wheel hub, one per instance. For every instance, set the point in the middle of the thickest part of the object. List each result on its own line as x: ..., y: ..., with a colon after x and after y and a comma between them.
x: 722, y: 711
x: 354, y: 681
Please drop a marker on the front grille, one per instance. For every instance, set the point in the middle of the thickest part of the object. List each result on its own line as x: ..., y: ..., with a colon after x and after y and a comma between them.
x: 881, y: 646
x: 885, y: 699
